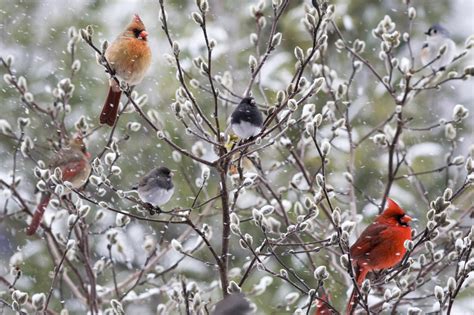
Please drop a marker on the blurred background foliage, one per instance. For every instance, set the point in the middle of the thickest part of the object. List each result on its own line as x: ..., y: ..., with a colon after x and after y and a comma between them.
x: 36, y: 34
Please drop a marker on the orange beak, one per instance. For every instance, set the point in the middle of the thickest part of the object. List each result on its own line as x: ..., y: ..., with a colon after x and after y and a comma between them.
x: 143, y: 35
x: 406, y: 219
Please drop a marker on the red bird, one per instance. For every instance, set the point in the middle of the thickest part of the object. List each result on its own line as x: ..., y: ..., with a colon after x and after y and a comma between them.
x: 380, y: 246
x: 321, y: 307
x: 74, y: 165
x: 130, y: 57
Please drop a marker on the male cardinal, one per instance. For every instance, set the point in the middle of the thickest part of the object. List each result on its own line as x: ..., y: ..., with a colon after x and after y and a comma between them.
x: 74, y: 165
x: 380, y: 246
x: 130, y: 57
x: 321, y: 307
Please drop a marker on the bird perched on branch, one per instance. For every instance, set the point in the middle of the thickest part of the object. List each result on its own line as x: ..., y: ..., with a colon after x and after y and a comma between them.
x: 380, y: 246
x: 438, y: 49
x: 234, y: 304
x: 156, y: 187
x: 73, y: 163
x: 130, y: 57
x: 246, y: 120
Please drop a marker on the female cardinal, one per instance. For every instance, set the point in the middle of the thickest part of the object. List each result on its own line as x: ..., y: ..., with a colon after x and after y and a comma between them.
x: 380, y: 246
x: 130, y: 57
x: 74, y: 165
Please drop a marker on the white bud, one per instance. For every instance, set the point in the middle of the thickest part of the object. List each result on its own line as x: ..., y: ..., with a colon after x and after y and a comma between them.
x: 321, y: 273
x: 252, y: 62
x: 20, y: 297
x: 233, y: 287
x: 439, y: 293
x: 318, y: 119
x: 176, y: 49
x: 149, y: 245
x: 409, y: 245
x: 336, y: 217
x: 253, y: 39
x: 72, y: 219
x: 291, y: 298
x: 122, y: 220
x: 197, y: 18
x: 267, y: 210
x: 451, y: 285
x: 276, y: 40
x: 176, y: 245
x: 39, y: 301
x: 414, y: 311
x: 117, y: 307
x: 460, y: 112
x: 292, y: 105
x: 469, y: 70
x: 299, y: 54
x: 344, y: 261
x: 365, y: 287
x: 70, y: 244
x: 325, y: 147
x: 411, y: 13
x: 76, y: 65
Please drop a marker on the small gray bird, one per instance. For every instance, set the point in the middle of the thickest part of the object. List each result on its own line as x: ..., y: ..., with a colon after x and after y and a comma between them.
x: 156, y: 187
x: 436, y: 37
x: 246, y: 120
x: 234, y: 304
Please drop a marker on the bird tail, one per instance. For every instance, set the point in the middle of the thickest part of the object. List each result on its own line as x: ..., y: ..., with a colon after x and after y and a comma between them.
x: 38, y: 215
x: 321, y: 306
x: 111, y: 105
x: 360, y: 274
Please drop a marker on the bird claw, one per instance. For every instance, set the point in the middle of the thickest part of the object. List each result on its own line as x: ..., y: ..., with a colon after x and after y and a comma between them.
x: 152, y: 209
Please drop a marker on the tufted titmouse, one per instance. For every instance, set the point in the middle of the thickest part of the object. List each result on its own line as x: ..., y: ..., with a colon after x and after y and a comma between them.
x: 437, y: 42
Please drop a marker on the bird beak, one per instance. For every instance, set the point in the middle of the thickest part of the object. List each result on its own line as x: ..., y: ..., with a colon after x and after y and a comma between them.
x: 406, y: 218
x: 427, y: 33
x: 172, y: 174
x: 143, y: 34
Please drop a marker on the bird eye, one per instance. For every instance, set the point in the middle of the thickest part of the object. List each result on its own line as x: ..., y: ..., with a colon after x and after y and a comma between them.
x: 435, y: 31
x: 136, y: 32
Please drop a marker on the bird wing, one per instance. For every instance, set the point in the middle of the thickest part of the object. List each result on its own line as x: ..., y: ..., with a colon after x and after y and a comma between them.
x: 367, y: 241
x: 71, y: 163
x: 72, y: 169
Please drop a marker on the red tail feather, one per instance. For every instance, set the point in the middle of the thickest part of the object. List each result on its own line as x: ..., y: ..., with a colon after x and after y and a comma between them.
x: 38, y: 215
x: 111, y: 105
x: 360, y: 274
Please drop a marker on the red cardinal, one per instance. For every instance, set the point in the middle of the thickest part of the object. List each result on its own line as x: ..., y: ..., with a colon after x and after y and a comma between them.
x: 130, y: 56
x: 380, y: 246
x: 321, y: 307
x: 75, y: 168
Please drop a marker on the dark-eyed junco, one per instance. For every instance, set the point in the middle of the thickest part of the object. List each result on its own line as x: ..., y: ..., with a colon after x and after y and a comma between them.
x: 234, y: 304
x: 130, y: 56
x: 246, y: 120
x: 436, y: 37
x: 73, y: 162
x: 156, y: 187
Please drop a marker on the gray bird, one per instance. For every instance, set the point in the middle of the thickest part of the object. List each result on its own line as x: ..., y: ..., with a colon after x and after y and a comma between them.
x: 156, y: 187
x: 246, y: 120
x: 436, y: 37
x: 234, y: 304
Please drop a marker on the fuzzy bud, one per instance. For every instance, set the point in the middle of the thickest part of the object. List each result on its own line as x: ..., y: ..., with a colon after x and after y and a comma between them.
x: 321, y: 273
